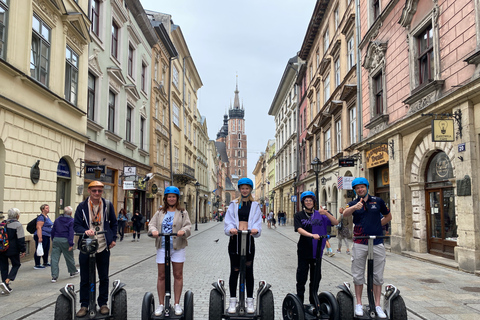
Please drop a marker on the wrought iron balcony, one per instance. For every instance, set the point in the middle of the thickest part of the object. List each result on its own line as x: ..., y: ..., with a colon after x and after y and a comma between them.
x: 183, y: 173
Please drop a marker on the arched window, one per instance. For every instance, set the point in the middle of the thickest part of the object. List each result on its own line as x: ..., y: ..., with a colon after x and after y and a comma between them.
x: 239, y: 136
x: 239, y: 163
x: 239, y: 172
x: 239, y: 144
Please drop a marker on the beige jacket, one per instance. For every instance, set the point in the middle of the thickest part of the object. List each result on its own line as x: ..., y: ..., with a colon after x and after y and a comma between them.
x: 181, y: 221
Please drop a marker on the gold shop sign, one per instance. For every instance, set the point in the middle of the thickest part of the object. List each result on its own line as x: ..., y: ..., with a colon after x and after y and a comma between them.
x: 442, y: 130
x: 377, y: 156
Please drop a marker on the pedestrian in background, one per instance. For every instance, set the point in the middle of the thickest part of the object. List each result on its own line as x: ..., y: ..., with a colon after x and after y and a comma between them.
x: 170, y: 219
x: 15, y: 251
x: 343, y: 232
x: 137, y: 225
x: 62, y: 242
x: 243, y: 214
x: 42, y: 235
x: 122, y: 220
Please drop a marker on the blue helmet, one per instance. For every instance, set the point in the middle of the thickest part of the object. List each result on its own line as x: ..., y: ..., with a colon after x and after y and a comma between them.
x: 172, y: 189
x: 246, y: 181
x: 358, y: 181
x: 308, y: 194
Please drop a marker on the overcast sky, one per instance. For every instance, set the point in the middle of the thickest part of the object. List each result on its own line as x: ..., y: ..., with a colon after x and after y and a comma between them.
x: 251, y: 38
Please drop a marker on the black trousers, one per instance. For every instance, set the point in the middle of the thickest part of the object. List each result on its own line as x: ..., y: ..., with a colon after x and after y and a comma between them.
x: 15, y: 260
x: 46, y: 249
x: 304, y: 266
x: 121, y: 229
x: 103, y: 262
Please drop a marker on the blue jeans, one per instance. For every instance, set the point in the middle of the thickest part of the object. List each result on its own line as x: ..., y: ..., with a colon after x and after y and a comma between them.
x: 103, y: 261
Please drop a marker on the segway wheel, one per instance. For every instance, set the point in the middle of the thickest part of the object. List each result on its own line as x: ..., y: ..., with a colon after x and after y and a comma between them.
x: 267, y: 310
x: 398, y: 310
x: 188, y: 305
x: 345, y: 306
x: 216, y: 306
x: 148, y: 306
x: 119, y: 305
x: 63, y: 308
x: 329, y: 305
x: 292, y: 308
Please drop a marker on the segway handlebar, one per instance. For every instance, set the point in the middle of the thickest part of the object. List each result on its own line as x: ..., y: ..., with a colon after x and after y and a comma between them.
x: 327, y: 236
x: 163, y: 234
x: 82, y: 234
x: 371, y: 237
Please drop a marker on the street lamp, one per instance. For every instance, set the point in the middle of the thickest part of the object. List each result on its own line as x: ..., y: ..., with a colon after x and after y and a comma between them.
x: 273, y: 200
x: 197, y: 185
x: 316, y: 168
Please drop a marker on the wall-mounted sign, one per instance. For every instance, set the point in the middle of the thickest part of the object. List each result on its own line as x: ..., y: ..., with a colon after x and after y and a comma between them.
x: 129, y: 171
x: 442, y: 130
x: 35, y: 172
x: 344, y: 183
x: 462, y: 147
x: 154, y: 188
x: 346, y: 162
x: 129, y: 185
x: 63, y: 170
x: 294, y: 198
x: 377, y: 156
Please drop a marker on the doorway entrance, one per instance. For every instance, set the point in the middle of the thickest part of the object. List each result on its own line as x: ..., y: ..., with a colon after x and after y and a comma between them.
x: 63, y: 187
x: 440, y: 207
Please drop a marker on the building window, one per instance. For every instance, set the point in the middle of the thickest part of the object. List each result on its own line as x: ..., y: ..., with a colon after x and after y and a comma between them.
x: 318, y: 101
x: 318, y: 58
x: 326, y: 41
x: 239, y: 163
x: 350, y: 53
x: 353, y: 125
x: 155, y: 76
x: 111, y: 111
x: 337, y: 72
x: 114, y: 40
x: 336, y: 18
x: 376, y: 9
x: 91, y: 96
x: 328, y: 144
x: 158, y: 152
x: 164, y: 116
x: 189, y: 130
x: 142, y: 133
x: 425, y: 56
x: 128, y: 129
x: 165, y: 155
x: 96, y: 17
x: 378, y: 91
x: 175, y: 76
x: 130, y: 60
x: 338, y: 132
x: 239, y: 136
x: 239, y: 144
x: 71, y: 76
x: 311, y: 72
x: 144, y: 76
x: 326, y: 89
x: 3, y: 27
x: 317, y: 144
x: 175, y: 115
x: 176, y: 158
x: 156, y: 109
x: 39, y: 61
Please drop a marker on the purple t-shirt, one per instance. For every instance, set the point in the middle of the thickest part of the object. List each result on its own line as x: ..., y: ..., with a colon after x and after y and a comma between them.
x: 317, y: 224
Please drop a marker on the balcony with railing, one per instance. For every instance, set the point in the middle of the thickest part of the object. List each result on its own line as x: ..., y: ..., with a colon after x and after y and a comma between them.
x: 183, y: 173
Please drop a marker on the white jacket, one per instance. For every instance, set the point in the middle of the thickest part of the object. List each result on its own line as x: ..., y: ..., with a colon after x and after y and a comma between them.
x: 254, y: 218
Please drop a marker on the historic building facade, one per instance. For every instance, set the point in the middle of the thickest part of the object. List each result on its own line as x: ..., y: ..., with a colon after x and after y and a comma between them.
x: 43, y: 105
x: 420, y: 63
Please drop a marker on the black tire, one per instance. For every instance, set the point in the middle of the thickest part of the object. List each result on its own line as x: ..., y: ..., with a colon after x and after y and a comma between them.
x: 398, y: 310
x: 188, y: 305
x: 329, y: 305
x: 345, y: 306
x: 119, y: 305
x: 267, y: 310
x: 216, y: 306
x: 63, y: 308
x: 148, y: 306
x: 292, y: 308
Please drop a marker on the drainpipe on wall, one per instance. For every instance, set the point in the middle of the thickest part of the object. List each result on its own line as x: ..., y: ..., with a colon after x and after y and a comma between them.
x: 170, y: 115
x: 359, y: 72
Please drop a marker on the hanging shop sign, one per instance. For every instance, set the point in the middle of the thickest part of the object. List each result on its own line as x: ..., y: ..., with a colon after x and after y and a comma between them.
x: 129, y: 185
x: 154, y: 189
x: 346, y: 162
x: 377, y: 156
x: 129, y: 171
x: 442, y: 130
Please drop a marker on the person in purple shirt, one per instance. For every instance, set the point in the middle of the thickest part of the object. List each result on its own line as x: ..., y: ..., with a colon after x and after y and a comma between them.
x: 310, y: 224
x: 62, y: 242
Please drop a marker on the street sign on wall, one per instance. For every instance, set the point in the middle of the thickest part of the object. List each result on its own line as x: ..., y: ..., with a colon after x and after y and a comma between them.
x: 294, y: 198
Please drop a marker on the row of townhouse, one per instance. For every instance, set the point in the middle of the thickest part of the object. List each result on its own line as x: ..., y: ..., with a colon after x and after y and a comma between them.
x: 388, y: 90
x: 99, y: 90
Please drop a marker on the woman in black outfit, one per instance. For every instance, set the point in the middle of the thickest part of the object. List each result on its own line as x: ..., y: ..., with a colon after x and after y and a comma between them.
x: 137, y: 225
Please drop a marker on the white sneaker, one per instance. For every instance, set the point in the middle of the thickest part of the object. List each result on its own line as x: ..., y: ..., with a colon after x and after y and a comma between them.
x: 359, y: 310
x: 233, y: 305
x: 250, y: 305
x: 159, y: 310
x: 178, y: 310
x: 380, y: 312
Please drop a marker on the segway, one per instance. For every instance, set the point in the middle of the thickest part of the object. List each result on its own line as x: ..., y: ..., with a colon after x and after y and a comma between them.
x: 65, y: 305
x: 325, y: 307
x: 394, y: 306
x: 264, y: 303
x: 148, y: 304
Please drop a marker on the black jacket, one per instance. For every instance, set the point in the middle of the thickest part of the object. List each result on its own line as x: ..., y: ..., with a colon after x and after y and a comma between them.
x: 16, y: 238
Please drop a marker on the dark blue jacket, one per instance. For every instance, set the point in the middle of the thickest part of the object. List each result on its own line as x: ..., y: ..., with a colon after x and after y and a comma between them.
x: 63, y: 228
x: 82, y: 220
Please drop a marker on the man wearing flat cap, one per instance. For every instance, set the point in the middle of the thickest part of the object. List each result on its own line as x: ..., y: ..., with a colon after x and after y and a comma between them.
x: 93, y: 215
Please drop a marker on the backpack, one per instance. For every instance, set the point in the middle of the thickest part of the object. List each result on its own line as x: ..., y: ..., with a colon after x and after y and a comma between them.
x: 3, y: 236
x: 32, y: 225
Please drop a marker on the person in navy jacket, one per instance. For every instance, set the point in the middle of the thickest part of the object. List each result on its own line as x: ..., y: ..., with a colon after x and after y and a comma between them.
x: 92, y: 215
x: 242, y: 214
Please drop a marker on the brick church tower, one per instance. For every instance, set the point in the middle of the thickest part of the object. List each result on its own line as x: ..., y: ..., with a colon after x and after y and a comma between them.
x: 236, y: 140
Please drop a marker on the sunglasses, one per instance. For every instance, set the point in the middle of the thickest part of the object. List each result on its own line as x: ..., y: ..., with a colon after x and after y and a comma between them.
x: 96, y: 190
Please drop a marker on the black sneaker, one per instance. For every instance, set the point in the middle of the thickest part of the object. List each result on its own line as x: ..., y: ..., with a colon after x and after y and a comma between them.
x: 46, y: 264
x: 54, y: 279
x: 74, y: 274
x: 38, y: 267
x: 6, y: 288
